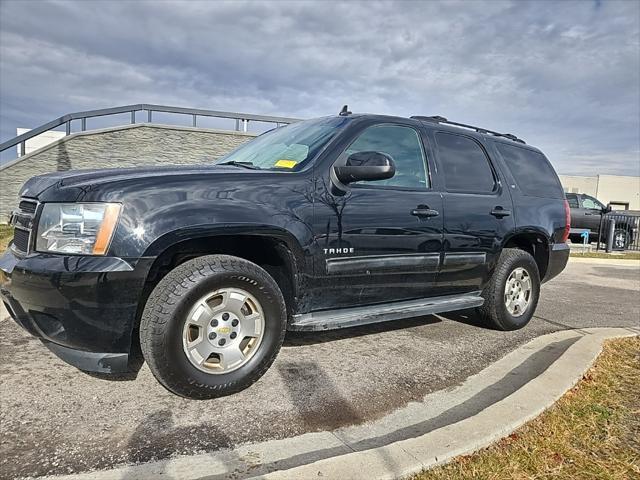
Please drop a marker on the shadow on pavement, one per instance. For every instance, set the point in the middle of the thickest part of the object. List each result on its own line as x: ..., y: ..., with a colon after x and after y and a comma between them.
x: 157, y: 438
x: 305, y: 381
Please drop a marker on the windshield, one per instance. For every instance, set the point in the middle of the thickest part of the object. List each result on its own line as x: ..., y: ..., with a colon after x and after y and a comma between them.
x: 286, y: 148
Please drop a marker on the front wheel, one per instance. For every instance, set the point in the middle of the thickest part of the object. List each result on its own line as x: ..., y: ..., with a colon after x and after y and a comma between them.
x: 212, y: 326
x: 511, y: 297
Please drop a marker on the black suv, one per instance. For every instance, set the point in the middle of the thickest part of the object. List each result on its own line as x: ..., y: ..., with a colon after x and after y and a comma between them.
x: 321, y: 224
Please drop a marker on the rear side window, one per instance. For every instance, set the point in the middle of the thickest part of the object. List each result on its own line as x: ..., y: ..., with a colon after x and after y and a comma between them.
x: 532, y: 171
x: 465, y: 166
x: 573, y: 201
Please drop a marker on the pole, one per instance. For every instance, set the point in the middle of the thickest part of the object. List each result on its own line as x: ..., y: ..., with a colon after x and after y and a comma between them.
x: 611, y: 228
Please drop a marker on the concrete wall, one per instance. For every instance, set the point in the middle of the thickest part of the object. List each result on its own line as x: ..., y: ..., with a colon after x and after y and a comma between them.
x: 619, y: 189
x: 37, y: 142
x: 616, y: 189
x: 579, y: 184
x: 127, y: 146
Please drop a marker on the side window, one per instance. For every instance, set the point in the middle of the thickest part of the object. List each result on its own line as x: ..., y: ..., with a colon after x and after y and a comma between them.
x: 573, y: 201
x: 464, y: 164
x: 400, y: 143
x: 591, y: 203
x: 532, y: 171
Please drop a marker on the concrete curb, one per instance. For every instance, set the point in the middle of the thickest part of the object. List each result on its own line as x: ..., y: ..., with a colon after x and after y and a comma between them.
x: 619, y: 262
x: 423, y: 434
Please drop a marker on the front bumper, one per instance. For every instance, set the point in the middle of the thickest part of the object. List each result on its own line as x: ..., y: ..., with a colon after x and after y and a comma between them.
x: 558, y: 258
x: 83, y: 308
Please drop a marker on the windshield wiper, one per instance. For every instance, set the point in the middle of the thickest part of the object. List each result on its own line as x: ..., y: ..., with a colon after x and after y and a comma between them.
x: 241, y: 164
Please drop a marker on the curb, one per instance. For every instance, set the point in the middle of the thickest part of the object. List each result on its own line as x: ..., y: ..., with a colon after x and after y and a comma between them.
x: 446, y: 424
x: 618, y: 262
x: 411, y: 456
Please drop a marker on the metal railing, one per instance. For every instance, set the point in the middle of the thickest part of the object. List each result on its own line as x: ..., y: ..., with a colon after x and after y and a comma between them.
x: 619, y: 231
x: 242, y: 120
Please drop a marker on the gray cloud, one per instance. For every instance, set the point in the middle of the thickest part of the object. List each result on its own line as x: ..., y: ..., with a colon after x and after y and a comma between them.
x: 563, y: 75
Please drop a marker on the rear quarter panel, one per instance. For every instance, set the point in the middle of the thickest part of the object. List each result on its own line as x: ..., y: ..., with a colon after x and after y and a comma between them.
x: 533, y: 214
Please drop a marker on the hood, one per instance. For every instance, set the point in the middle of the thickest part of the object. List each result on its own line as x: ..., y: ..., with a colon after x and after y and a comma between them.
x: 35, y: 186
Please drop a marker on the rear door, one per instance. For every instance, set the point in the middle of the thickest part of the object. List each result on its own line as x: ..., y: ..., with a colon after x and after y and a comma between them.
x: 477, y: 211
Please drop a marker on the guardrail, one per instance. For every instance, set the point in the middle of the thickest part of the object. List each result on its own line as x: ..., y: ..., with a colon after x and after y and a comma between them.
x: 242, y: 120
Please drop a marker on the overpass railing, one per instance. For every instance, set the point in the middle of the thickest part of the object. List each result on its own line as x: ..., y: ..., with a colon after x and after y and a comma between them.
x: 241, y: 120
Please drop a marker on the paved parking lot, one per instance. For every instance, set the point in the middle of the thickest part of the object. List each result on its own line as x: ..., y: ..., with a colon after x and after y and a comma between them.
x: 55, y: 419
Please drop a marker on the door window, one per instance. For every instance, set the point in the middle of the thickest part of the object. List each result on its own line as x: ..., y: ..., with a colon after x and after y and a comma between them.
x: 403, y: 145
x: 465, y: 166
x: 591, y: 203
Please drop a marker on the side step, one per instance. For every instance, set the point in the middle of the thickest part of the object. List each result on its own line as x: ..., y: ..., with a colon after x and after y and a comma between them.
x: 349, y: 317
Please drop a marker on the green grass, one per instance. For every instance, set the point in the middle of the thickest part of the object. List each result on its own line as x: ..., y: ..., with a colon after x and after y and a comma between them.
x: 592, y: 432
x: 621, y: 256
x: 6, y: 234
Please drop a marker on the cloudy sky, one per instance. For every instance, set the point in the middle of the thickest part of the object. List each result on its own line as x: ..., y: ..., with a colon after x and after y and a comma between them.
x: 565, y: 76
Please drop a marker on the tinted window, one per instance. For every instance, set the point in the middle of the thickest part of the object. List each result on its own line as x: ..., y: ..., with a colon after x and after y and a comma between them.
x: 400, y: 143
x: 465, y: 166
x: 573, y: 201
x: 532, y: 171
x: 591, y: 203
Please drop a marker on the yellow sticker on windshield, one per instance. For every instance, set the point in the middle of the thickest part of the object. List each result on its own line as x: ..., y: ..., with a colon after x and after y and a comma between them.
x: 286, y: 163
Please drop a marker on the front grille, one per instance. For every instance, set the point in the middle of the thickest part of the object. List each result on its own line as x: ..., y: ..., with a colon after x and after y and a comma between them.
x: 21, y: 239
x: 28, y: 206
x: 23, y: 222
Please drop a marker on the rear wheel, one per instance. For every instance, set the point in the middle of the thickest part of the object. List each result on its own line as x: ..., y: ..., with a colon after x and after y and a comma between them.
x: 512, y: 294
x: 621, y: 239
x: 212, y: 326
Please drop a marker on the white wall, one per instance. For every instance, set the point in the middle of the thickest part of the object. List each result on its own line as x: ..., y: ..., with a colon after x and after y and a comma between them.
x: 38, y: 141
x: 619, y: 189
x: 579, y: 184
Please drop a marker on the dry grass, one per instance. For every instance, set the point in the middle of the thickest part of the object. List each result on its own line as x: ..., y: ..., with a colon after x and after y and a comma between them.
x: 593, y: 432
x: 6, y: 234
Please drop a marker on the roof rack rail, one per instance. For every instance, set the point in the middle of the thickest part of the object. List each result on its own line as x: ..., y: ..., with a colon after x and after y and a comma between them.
x: 439, y: 119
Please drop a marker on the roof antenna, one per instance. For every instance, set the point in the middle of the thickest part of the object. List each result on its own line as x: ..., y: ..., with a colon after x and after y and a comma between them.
x: 345, y: 111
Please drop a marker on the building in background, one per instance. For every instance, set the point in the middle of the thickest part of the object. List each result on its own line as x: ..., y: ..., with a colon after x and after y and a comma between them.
x: 622, y: 192
x: 37, y: 142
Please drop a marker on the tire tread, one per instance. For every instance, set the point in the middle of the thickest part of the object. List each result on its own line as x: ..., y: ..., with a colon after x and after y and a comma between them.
x: 159, y: 310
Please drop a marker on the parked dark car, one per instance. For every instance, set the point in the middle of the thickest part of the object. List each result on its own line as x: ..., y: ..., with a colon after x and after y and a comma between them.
x: 588, y: 213
x: 321, y: 224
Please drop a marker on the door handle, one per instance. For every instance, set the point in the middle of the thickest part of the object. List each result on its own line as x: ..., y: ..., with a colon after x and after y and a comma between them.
x: 424, y: 211
x: 500, y: 212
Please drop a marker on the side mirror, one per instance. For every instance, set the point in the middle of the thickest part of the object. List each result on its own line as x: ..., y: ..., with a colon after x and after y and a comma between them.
x: 607, y: 209
x: 366, y: 166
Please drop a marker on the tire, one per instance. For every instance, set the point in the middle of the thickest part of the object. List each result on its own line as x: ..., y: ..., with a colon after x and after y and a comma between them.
x: 621, y: 239
x: 177, y: 314
x: 495, y: 312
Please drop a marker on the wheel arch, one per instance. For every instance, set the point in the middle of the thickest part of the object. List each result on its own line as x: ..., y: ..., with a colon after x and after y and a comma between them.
x: 533, y: 241
x: 274, y: 249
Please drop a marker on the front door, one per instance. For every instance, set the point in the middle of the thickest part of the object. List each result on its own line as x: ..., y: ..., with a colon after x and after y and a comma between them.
x: 378, y: 241
x: 477, y: 212
x: 591, y: 210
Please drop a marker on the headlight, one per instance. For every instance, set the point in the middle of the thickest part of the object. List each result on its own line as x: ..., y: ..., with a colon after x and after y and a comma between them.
x: 84, y: 228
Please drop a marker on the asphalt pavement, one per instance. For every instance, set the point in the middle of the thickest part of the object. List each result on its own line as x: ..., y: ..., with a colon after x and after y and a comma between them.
x: 55, y: 419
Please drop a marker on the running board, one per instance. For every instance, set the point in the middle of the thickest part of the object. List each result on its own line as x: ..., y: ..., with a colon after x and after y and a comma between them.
x: 349, y: 317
